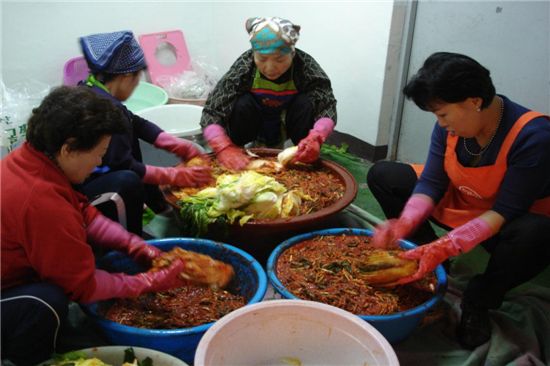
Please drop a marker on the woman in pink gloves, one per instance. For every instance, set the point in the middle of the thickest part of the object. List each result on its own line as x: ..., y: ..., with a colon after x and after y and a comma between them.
x: 49, y: 229
x: 486, y: 180
x: 272, y: 92
x: 116, y: 61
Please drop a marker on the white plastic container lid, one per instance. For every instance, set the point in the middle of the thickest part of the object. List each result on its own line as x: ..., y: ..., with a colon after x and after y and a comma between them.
x: 180, y: 120
x: 293, y: 332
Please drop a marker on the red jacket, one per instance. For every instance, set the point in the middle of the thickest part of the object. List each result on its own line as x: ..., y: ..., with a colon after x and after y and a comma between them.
x: 44, y: 223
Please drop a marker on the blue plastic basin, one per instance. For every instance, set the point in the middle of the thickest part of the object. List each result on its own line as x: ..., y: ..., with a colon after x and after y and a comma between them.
x: 394, y: 327
x: 250, y: 281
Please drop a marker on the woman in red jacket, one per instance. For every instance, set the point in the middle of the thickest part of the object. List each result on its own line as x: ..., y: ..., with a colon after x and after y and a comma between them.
x: 48, y: 228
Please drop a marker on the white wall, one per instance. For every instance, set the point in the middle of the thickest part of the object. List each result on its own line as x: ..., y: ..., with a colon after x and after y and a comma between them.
x: 510, y: 38
x: 348, y: 39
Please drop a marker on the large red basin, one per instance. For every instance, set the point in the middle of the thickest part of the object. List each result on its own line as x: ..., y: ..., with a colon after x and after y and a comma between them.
x: 259, y: 238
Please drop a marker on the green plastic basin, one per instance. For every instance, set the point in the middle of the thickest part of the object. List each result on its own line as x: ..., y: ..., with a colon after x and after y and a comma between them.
x: 146, y: 95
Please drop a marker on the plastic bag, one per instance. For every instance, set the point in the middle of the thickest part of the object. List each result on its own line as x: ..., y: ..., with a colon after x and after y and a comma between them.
x: 196, y: 83
x: 15, y: 110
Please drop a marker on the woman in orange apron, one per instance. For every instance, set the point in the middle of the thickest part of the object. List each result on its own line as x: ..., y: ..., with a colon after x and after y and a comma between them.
x: 486, y: 179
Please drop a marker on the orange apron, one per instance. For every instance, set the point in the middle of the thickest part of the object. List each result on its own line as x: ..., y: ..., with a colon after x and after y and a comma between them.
x: 473, y: 190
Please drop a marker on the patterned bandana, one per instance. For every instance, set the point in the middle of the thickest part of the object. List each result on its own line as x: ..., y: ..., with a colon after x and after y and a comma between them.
x: 113, y: 53
x: 271, y: 34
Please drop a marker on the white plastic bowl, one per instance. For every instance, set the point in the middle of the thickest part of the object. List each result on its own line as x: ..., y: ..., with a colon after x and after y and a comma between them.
x: 181, y: 120
x: 114, y: 355
x: 287, y: 332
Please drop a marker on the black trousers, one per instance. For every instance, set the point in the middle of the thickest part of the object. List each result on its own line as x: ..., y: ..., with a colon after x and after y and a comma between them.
x: 519, y: 252
x: 247, y: 119
x: 32, y: 317
x: 133, y: 192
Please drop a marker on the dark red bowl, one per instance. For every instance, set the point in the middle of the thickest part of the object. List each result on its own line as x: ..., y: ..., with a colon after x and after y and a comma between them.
x: 260, y: 237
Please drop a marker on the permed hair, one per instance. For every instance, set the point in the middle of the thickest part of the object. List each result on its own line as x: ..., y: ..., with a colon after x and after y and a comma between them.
x: 73, y: 115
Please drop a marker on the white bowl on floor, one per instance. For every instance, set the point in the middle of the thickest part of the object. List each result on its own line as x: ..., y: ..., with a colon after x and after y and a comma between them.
x: 293, y: 332
x: 181, y: 120
x: 114, y: 355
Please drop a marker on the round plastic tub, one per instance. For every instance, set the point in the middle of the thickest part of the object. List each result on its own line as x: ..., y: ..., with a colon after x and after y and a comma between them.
x: 172, y: 100
x: 293, y: 332
x: 259, y: 238
x: 114, y: 355
x: 395, y: 327
x: 250, y: 281
x: 146, y: 95
x: 181, y: 120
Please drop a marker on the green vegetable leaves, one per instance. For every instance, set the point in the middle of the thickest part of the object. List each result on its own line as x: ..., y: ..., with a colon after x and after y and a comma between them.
x: 239, y: 197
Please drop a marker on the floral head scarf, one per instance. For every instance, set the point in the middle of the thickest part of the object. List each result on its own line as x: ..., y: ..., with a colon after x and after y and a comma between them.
x: 272, y: 34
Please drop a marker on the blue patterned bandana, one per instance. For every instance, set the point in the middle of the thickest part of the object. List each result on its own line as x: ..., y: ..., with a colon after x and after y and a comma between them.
x: 113, y: 53
x: 272, y: 34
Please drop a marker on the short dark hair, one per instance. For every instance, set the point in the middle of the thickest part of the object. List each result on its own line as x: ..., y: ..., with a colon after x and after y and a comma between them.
x: 450, y: 78
x: 74, y: 113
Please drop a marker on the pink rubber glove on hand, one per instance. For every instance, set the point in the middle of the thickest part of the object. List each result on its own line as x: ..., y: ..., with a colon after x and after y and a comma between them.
x: 461, y: 240
x: 181, y: 147
x: 120, y: 285
x: 416, y: 210
x: 229, y: 155
x: 310, y: 146
x: 110, y: 234
x: 195, y: 176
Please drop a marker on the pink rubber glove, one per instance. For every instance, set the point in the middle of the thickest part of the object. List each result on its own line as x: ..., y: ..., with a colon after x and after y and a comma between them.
x: 229, y: 155
x: 310, y: 146
x: 120, y: 285
x: 195, y: 176
x: 181, y: 147
x: 461, y: 240
x: 416, y: 211
x: 110, y: 234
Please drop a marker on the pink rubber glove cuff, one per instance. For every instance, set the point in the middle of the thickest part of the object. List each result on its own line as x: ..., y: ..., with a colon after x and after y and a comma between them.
x: 324, y: 126
x: 181, y: 147
x: 216, y: 137
x: 416, y: 211
x: 195, y: 176
x: 460, y: 240
x: 310, y: 146
x: 469, y: 235
x: 110, y: 234
x: 120, y: 285
x: 229, y: 155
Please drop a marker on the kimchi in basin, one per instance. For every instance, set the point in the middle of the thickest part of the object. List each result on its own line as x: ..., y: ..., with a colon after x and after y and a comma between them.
x: 395, y: 324
x: 249, y: 281
x: 260, y: 237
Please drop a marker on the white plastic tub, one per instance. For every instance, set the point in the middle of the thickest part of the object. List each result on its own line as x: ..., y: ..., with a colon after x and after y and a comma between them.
x: 293, y: 332
x: 114, y: 355
x: 182, y: 120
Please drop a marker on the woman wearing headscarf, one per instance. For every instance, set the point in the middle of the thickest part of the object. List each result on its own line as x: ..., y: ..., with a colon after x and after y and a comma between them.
x: 49, y: 229
x: 116, y: 61
x: 486, y: 180
x: 272, y: 92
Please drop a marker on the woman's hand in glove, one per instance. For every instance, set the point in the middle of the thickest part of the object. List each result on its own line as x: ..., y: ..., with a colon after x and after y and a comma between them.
x: 181, y: 147
x: 195, y: 176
